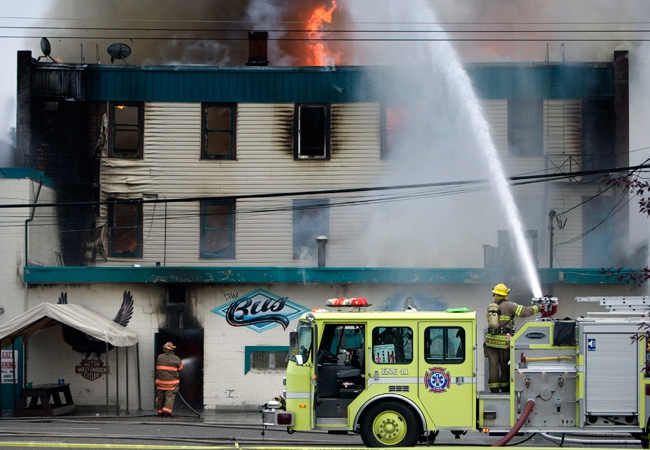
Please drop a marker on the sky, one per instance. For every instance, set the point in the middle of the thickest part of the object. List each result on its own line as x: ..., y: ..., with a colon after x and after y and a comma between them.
x: 480, y: 30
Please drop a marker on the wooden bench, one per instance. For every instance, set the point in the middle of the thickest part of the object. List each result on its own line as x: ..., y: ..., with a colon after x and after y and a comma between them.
x: 45, y: 400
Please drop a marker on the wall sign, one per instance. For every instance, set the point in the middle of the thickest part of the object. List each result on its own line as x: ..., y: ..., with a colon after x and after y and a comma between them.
x: 260, y: 310
x: 9, y: 362
x: 91, y: 369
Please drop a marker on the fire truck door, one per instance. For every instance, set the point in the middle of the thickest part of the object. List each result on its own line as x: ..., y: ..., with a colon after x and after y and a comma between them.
x: 447, y: 386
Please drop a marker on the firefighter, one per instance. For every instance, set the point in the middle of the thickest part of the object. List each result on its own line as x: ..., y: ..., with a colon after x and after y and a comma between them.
x: 168, y: 368
x: 501, y: 315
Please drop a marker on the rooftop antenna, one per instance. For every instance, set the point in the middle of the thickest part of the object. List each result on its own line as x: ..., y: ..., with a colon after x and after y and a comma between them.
x: 119, y: 51
x: 46, y: 48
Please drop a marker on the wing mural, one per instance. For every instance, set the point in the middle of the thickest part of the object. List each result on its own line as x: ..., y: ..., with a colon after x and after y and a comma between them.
x: 83, y: 343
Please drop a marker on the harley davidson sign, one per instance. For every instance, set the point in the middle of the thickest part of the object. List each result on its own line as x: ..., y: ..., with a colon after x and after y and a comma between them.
x: 91, y: 369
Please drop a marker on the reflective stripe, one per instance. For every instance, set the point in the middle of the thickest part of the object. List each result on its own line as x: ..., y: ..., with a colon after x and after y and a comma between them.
x: 168, y: 382
x: 305, y: 395
x: 393, y: 380
x: 497, y: 341
x: 170, y: 368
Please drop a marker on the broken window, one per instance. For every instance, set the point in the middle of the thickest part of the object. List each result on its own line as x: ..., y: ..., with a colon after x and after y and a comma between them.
x: 218, y: 229
x: 125, y: 228
x: 312, y: 132
x: 126, y: 123
x: 218, y: 124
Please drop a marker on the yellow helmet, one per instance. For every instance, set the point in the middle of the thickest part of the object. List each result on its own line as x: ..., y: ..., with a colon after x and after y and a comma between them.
x: 501, y: 290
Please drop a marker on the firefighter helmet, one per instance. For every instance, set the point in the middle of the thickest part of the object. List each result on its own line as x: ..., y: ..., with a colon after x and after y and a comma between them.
x: 501, y: 290
x: 169, y: 346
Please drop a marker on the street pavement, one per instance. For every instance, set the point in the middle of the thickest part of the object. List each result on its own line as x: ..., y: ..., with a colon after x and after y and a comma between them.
x: 190, y: 429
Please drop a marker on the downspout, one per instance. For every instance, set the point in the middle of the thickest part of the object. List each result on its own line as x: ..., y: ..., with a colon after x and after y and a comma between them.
x: 27, y: 221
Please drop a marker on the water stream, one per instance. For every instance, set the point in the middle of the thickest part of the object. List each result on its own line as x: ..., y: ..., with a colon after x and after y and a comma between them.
x: 460, y: 80
x: 448, y: 87
x: 481, y: 128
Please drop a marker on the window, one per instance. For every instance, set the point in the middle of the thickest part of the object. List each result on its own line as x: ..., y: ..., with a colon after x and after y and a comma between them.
x: 392, y: 345
x: 125, y: 229
x: 344, y: 342
x: 218, y: 125
x: 395, y: 120
x: 310, y: 220
x: 126, y: 122
x: 525, y: 127
x: 265, y: 358
x: 218, y: 229
x: 312, y: 132
x: 444, y: 345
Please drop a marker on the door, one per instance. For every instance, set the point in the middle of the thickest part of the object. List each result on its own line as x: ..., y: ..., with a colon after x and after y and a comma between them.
x: 13, y: 365
x: 189, y: 347
x: 448, y: 385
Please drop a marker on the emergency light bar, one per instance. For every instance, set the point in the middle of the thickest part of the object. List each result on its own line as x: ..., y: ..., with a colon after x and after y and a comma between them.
x: 356, y: 302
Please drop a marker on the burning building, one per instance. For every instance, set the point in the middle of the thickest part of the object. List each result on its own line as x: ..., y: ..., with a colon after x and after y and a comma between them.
x: 228, y: 200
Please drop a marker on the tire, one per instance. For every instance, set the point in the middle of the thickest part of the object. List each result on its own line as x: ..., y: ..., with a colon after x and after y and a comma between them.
x: 390, y: 424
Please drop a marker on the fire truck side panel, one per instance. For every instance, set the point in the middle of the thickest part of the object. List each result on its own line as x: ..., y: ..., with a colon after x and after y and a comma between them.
x: 299, y: 394
x: 447, y: 373
x: 546, y: 373
x: 391, y: 363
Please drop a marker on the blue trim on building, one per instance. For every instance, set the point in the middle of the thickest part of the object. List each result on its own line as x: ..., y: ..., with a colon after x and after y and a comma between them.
x: 35, y: 275
x: 328, y: 85
x: 18, y: 173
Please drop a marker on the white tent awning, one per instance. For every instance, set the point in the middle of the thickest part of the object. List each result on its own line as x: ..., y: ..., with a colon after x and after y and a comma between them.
x: 76, y: 316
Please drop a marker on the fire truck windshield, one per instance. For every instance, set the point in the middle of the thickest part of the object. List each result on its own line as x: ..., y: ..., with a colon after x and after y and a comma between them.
x: 301, y: 348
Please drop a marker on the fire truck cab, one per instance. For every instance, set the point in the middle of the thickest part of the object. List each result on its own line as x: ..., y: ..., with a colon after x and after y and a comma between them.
x: 388, y: 376
x: 399, y: 378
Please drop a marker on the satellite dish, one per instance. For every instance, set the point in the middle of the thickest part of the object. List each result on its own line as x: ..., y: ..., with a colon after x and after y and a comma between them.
x: 118, y: 51
x: 46, y: 48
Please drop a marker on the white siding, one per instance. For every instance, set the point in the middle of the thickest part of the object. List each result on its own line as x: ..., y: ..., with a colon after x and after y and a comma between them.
x: 172, y: 169
x: 43, y: 241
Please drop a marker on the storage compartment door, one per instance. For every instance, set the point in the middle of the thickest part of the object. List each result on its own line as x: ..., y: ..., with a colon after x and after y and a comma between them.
x: 611, y: 374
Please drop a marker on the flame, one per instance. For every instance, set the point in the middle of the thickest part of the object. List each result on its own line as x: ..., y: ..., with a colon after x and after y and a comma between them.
x: 319, y: 54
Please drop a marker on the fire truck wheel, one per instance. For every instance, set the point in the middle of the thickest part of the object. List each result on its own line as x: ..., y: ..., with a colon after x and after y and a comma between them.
x: 390, y: 424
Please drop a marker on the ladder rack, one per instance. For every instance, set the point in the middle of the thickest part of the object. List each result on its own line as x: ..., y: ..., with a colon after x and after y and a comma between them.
x: 620, y: 304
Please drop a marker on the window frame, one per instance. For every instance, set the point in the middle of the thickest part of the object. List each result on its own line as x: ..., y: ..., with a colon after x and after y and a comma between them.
x: 301, y: 233
x: 206, y: 133
x: 526, y: 127
x: 300, y: 131
x: 139, y: 151
x: 230, y: 230
x: 447, y: 339
x: 138, y: 232
x: 387, y: 342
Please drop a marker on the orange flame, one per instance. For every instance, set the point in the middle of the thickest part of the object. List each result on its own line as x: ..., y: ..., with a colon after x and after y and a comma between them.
x: 320, y: 55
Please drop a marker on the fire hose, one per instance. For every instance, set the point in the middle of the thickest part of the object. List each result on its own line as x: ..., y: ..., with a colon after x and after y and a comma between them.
x: 522, y: 419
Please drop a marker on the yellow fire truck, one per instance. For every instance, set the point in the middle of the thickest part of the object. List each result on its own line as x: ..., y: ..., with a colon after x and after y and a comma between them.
x: 399, y: 378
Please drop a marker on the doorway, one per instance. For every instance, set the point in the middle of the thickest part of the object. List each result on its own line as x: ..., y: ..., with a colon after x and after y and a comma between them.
x: 189, y: 347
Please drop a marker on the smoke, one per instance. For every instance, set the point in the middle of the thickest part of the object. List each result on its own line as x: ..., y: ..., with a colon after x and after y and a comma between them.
x: 215, y: 33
